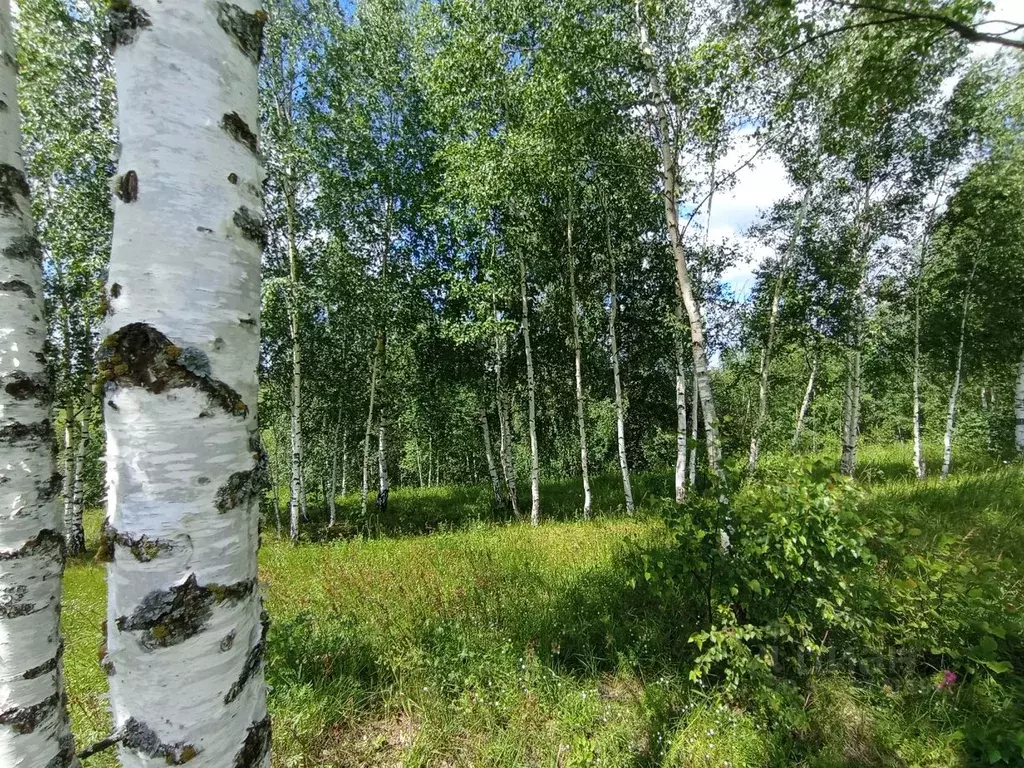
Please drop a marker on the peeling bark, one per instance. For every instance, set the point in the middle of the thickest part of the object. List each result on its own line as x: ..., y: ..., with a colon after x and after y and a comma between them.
x: 34, y: 728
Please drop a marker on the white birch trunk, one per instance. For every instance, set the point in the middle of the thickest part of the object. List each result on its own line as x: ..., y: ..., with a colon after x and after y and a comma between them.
x: 384, y: 485
x: 34, y: 729
x: 365, y: 492
x: 682, y: 436
x: 508, y: 466
x: 274, y: 482
x: 684, y: 283
x: 67, y: 482
x: 492, y: 469
x: 185, y: 629
x: 805, y: 404
x: 851, y: 413
x: 1018, y: 407
x: 620, y: 406
x: 920, y: 468
x: 74, y: 533
x: 331, y: 511
x: 947, y: 440
x: 419, y: 462
x: 344, y: 464
x: 694, y: 426
x: 766, y: 352
x: 581, y: 409
x: 531, y: 388
x: 298, y: 496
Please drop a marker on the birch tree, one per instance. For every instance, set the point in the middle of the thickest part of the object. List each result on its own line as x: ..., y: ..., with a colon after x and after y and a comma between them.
x: 186, y: 633
x: 34, y: 727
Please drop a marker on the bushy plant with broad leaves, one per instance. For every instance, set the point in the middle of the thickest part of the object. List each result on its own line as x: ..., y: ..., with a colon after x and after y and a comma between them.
x: 775, y: 570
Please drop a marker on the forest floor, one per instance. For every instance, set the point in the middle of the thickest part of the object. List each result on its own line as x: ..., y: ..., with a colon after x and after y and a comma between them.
x: 494, y: 644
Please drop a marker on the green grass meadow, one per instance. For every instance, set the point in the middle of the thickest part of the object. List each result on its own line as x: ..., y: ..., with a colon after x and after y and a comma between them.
x: 491, y: 643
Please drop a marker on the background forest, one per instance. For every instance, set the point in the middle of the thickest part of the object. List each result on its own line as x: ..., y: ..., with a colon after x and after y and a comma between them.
x: 492, y: 291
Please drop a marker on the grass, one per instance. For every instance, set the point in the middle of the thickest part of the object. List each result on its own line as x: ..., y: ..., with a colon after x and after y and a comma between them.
x: 488, y: 643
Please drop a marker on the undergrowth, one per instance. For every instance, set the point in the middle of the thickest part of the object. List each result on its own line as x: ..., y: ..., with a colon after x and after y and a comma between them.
x: 489, y: 643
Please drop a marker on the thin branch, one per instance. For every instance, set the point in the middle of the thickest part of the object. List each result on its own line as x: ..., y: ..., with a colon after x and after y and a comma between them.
x: 100, y: 746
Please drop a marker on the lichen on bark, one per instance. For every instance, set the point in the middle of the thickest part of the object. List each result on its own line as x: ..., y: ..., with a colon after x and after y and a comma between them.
x: 143, y: 548
x: 139, y: 737
x: 12, y: 184
x: 238, y: 490
x: 256, y: 745
x: 245, y: 29
x: 239, y: 130
x: 24, y: 247
x: 138, y: 355
x: 251, y: 226
x: 124, y: 21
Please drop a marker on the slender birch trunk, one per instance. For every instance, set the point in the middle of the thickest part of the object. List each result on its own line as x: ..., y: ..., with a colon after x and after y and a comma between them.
x: 773, y: 317
x: 531, y: 388
x: 694, y: 426
x: 374, y: 365
x: 68, y: 479
x: 682, y: 436
x: 344, y: 464
x: 492, y: 469
x: 920, y: 467
x: 851, y: 413
x: 297, y: 502
x: 34, y: 728
x: 581, y: 410
x: 419, y: 462
x: 430, y: 461
x: 620, y: 407
x: 186, y: 632
x: 684, y: 283
x: 805, y: 404
x: 331, y: 506
x: 274, y: 482
x: 508, y: 466
x: 384, y: 485
x: 74, y: 532
x: 1018, y: 407
x: 947, y: 441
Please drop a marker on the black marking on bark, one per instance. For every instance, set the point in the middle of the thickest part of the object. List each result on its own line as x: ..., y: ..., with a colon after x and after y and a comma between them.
x: 203, y: 480
x: 233, y: 178
x: 104, y: 658
x: 227, y: 641
x: 253, y: 661
x: 252, y: 227
x: 115, y: 291
x: 247, y: 321
x: 19, y: 432
x: 11, y: 602
x: 245, y: 29
x: 18, y: 286
x: 239, y: 130
x: 237, y: 491
x: 24, y: 248
x: 49, y: 489
x: 3, y: 106
x: 124, y: 21
x: 172, y: 616
x: 24, y: 386
x: 143, y: 548
x: 105, y: 552
x: 139, y: 737
x: 66, y: 756
x: 138, y: 355
x: 127, y: 189
x: 47, y: 542
x: 12, y: 184
x: 26, y: 719
x: 204, y: 230
x: 10, y: 61
x: 47, y: 666
x: 256, y: 745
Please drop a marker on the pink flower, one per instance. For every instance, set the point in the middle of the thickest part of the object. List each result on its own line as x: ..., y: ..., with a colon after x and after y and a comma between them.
x: 948, y: 680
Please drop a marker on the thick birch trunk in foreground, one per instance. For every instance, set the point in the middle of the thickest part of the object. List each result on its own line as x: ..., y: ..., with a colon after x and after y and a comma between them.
x: 1018, y: 407
x: 581, y: 410
x: 531, y: 389
x: 766, y: 352
x: 186, y: 633
x: 620, y: 407
x: 492, y: 470
x: 34, y: 729
x: 947, y: 441
x: 805, y: 404
x: 684, y: 283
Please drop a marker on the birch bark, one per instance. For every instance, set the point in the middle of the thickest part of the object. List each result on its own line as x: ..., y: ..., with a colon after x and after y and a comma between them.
x: 34, y: 728
x: 374, y: 365
x: 492, y: 470
x: 581, y: 410
x: 947, y: 440
x: 531, y: 389
x: 186, y: 633
x: 508, y: 466
x: 682, y: 438
x: 805, y: 404
x: 773, y: 316
x: 684, y: 283
x: 298, y: 497
x: 1018, y: 407
x: 620, y: 406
